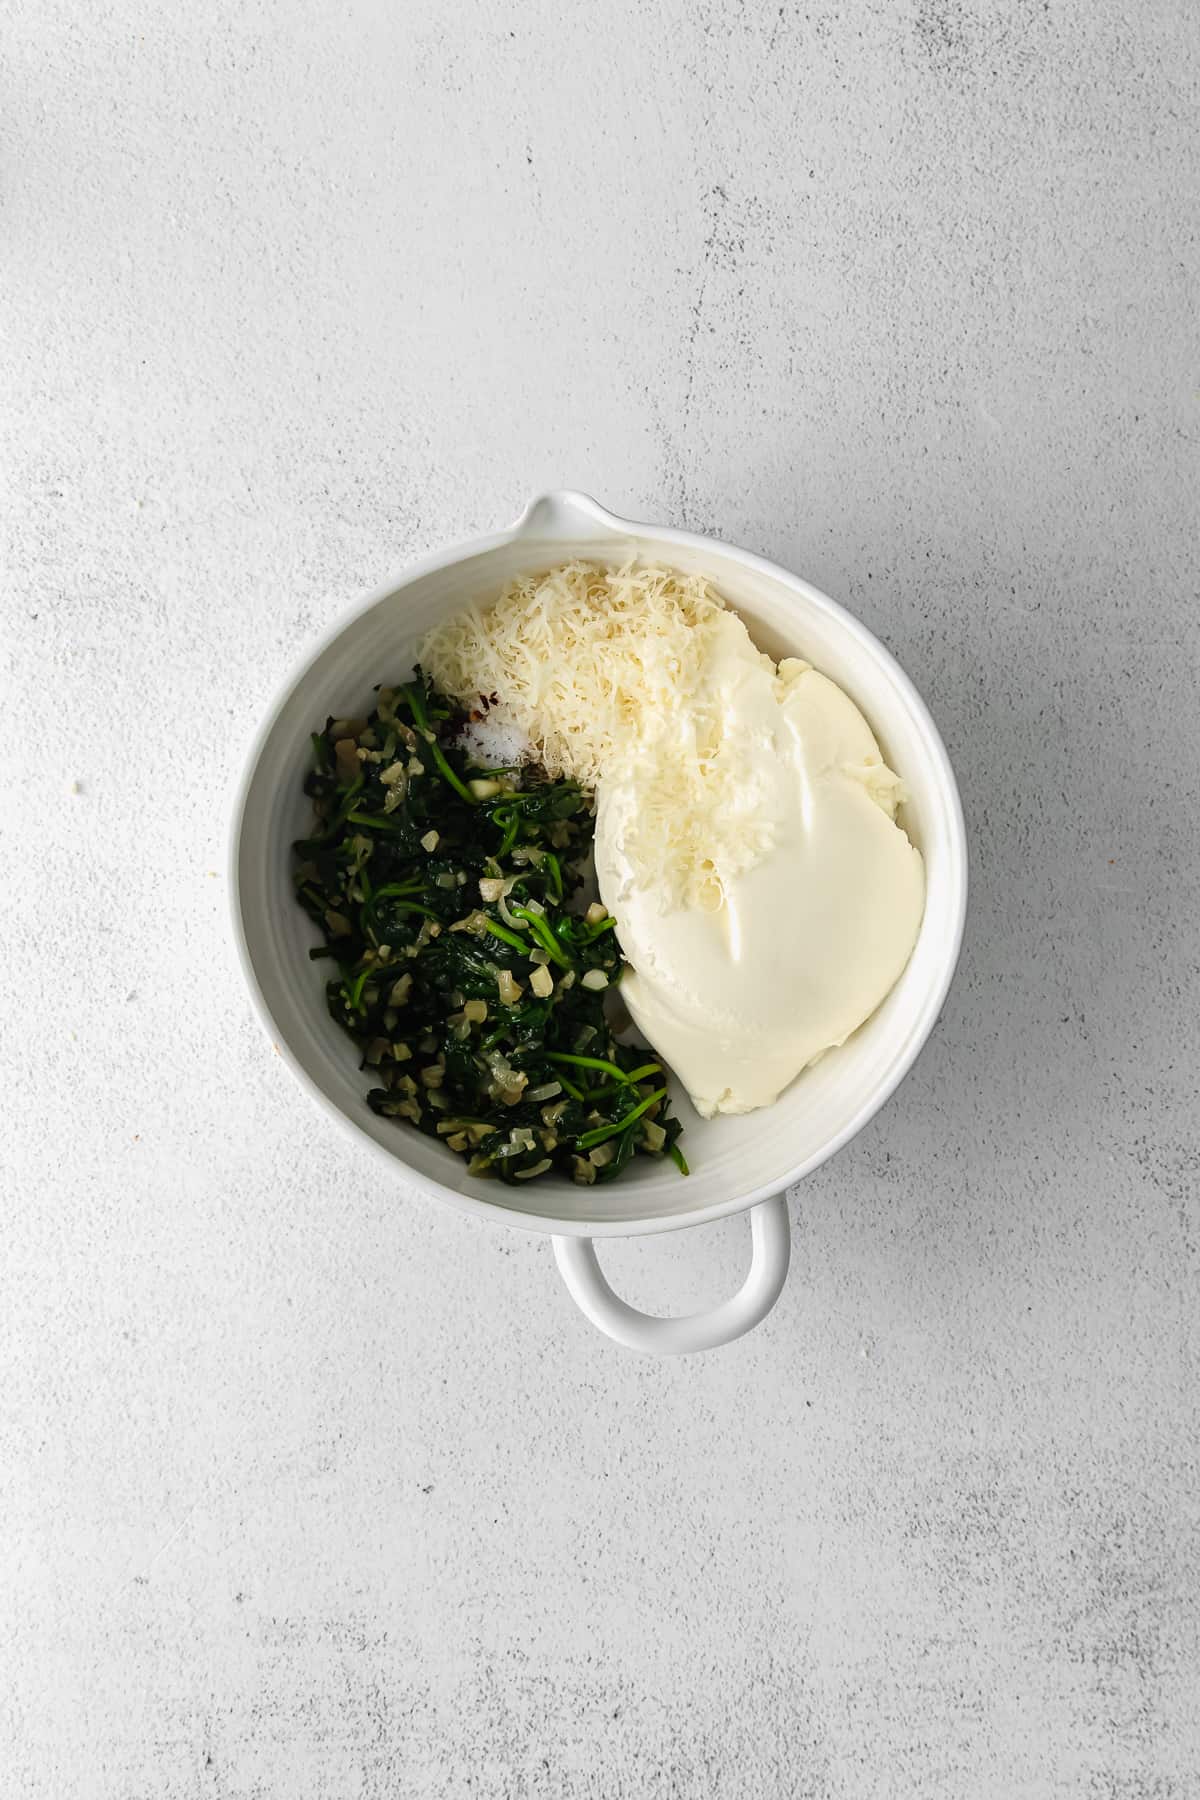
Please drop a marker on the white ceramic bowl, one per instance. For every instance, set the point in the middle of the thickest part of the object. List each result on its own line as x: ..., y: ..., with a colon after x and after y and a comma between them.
x: 736, y: 1163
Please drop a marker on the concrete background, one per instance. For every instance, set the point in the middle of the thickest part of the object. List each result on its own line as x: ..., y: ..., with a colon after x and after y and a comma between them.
x: 310, y: 1488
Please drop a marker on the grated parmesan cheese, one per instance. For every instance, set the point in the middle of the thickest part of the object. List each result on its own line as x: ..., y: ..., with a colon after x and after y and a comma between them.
x: 581, y: 658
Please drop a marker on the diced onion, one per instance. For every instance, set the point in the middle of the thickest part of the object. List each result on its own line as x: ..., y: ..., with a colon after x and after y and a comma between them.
x: 510, y: 991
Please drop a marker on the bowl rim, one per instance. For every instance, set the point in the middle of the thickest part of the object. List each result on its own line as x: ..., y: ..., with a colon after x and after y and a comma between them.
x: 582, y: 507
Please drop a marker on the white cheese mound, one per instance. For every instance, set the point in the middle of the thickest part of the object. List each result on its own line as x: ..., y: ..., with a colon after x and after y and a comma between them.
x: 806, y: 943
x: 597, y: 666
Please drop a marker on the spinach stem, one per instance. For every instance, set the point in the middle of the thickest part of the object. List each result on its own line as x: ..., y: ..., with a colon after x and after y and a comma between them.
x: 589, y: 1062
x: 634, y: 1075
x: 507, y: 937
x: 601, y: 1132
x: 375, y: 822
x: 511, y: 823
x: 353, y: 990
x: 397, y: 892
x: 545, y: 936
x: 551, y: 861
x: 394, y: 889
x: 417, y: 705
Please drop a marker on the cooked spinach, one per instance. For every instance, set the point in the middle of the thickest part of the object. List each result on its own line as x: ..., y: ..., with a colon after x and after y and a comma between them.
x: 468, y: 971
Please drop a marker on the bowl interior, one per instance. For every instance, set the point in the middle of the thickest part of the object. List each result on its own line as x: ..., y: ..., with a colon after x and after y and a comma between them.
x: 732, y: 1159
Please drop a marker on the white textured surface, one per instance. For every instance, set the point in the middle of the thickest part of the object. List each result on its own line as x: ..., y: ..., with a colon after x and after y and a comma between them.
x: 313, y: 1490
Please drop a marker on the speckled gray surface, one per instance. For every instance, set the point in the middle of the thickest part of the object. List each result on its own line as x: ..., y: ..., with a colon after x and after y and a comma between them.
x: 311, y: 1488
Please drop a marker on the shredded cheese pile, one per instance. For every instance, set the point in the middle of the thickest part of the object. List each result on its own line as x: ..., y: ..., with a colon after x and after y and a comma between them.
x: 582, y: 658
x: 596, y: 666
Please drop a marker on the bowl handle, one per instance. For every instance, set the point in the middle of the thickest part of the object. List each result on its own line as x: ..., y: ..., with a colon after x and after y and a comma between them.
x: 770, y: 1250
